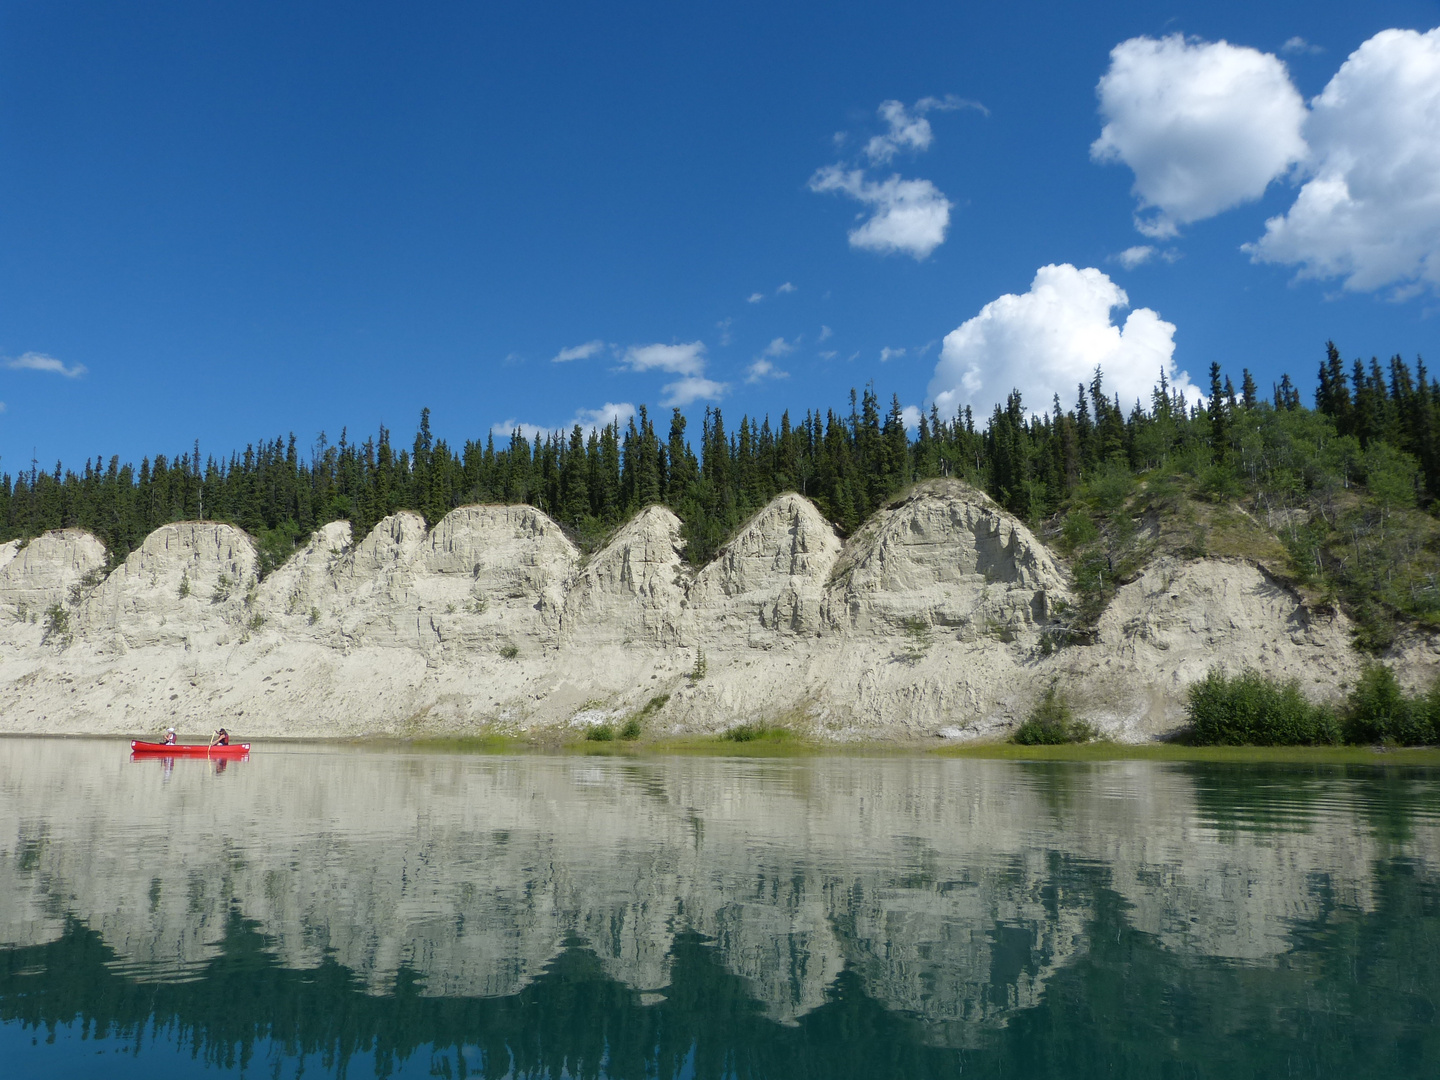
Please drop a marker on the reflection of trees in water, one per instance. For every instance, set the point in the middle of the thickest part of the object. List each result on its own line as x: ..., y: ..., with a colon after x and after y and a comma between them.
x: 1287, y: 797
x: 1356, y: 996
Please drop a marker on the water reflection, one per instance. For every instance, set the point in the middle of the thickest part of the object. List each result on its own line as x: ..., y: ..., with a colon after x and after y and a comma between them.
x: 833, y: 917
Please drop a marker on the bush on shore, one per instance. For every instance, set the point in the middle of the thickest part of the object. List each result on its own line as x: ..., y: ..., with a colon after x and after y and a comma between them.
x: 1379, y: 711
x: 1051, y: 723
x: 1251, y: 709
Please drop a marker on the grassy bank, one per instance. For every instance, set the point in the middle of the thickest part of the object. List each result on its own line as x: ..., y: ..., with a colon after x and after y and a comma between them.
x: 1108, y: 751
x: 786, y: 743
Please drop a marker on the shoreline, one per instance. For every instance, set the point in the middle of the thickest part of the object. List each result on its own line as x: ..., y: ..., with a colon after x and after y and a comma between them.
x: 792, y: 747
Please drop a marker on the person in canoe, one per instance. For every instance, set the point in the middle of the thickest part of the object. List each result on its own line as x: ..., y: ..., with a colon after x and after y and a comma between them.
x: 170, y: 736
x: 220, y: 738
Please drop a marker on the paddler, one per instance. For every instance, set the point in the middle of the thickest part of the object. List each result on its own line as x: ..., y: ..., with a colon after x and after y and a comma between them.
x: 220, y: 738
x: 170, y: 737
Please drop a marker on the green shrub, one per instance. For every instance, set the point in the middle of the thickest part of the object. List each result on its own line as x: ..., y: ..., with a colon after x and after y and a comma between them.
x: 631, y: 731
x: 756, y: 733
x: 1377, y: 710
x: 57, y: 625
x: 509, y: 651
x: 274, y: 546
x: 599, y: 733
x: 1052, y: 722
x: 1253, y: 710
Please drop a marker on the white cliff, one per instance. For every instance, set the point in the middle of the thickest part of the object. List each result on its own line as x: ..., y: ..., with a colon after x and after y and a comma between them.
x: 931, y: 619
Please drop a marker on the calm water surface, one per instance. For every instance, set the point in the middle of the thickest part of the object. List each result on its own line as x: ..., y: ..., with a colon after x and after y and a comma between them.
x: 327, y: 912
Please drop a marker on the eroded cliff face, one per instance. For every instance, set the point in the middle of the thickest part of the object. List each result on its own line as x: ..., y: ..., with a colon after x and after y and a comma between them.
x: 930, y: 620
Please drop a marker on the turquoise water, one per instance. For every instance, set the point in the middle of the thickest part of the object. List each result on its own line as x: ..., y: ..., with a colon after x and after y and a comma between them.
x: 325, y: 912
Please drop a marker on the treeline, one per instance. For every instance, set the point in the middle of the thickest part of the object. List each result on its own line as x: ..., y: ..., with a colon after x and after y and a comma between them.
x: 1373, y: 431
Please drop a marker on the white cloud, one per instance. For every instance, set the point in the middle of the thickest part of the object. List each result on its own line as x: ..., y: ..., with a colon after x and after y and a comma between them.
x: 910, y: 216
x: 911, y: 417
x: 611, y: 411
x: 786, y: 288
x: 2, y: 406
x: 503, y: 429
x: 1299, y: 46
x: 588, y: 419
x: 906, y: 132
x: 1369, y: 211
x: 887, y: 354
x: 907, y: 129
x: 1135, y: 256
x: 755, y: 298
x: 689, y: 390
x: 33, y: 361
x: 578, y: 352
x: 724, y: 327
x: 763, y: 369
x: 828, y: 354
x: 1046, y: 341
x: 676, y: 359
x: 825, y: 334
x: 1204, y: 126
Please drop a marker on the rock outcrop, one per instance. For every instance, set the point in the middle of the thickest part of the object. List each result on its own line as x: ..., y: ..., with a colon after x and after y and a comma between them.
x: 931, y: 619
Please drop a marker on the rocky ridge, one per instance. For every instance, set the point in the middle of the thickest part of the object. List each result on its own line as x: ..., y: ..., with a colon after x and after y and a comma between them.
x: 933, y: 618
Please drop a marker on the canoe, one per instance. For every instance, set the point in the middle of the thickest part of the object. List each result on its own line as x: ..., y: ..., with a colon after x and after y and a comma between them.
x: 160, y: 749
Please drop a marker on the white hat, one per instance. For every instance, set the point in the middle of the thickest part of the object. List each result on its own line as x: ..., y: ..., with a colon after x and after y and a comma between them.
x: 169, y: 731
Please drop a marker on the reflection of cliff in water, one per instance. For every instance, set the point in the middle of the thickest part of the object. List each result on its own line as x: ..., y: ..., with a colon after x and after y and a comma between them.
x: 952, y: 893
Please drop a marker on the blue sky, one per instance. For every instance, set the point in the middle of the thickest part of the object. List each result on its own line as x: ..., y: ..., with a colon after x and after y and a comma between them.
x: 229, y: 221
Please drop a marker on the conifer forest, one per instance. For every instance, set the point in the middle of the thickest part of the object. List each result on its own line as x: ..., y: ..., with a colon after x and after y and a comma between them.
x: 1337, y: 498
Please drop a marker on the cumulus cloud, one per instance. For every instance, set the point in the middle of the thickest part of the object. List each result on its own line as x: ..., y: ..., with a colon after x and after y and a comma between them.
x: 1135, y: 256
x: 755, y: 298
x: 1369, y: 209
x: 588, y: 419
x: 578, y: 352
x: 911, y: 416
x: 1298, y: 46
x: 686, y: 359
x: 610, y: 412
x: 763, y: 369
x: 828, y: 354
x: 503, y: 429
x: 1204, y: 126
x: 1050, y: 339
x: 909, y: 216
x: 825, y: 334
x: 33, y: 361
x: 887, y: 354
x: 689, y: 390
x: 786, y: 288
x: 907, y: 129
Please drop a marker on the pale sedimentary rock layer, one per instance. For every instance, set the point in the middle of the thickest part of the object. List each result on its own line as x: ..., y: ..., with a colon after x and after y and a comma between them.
x: 932, y: 619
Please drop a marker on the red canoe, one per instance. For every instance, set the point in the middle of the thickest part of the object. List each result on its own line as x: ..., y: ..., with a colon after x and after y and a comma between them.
x: 160, y: 749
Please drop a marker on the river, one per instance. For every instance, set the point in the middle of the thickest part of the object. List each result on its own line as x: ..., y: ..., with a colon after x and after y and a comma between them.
x: 334, y: 911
